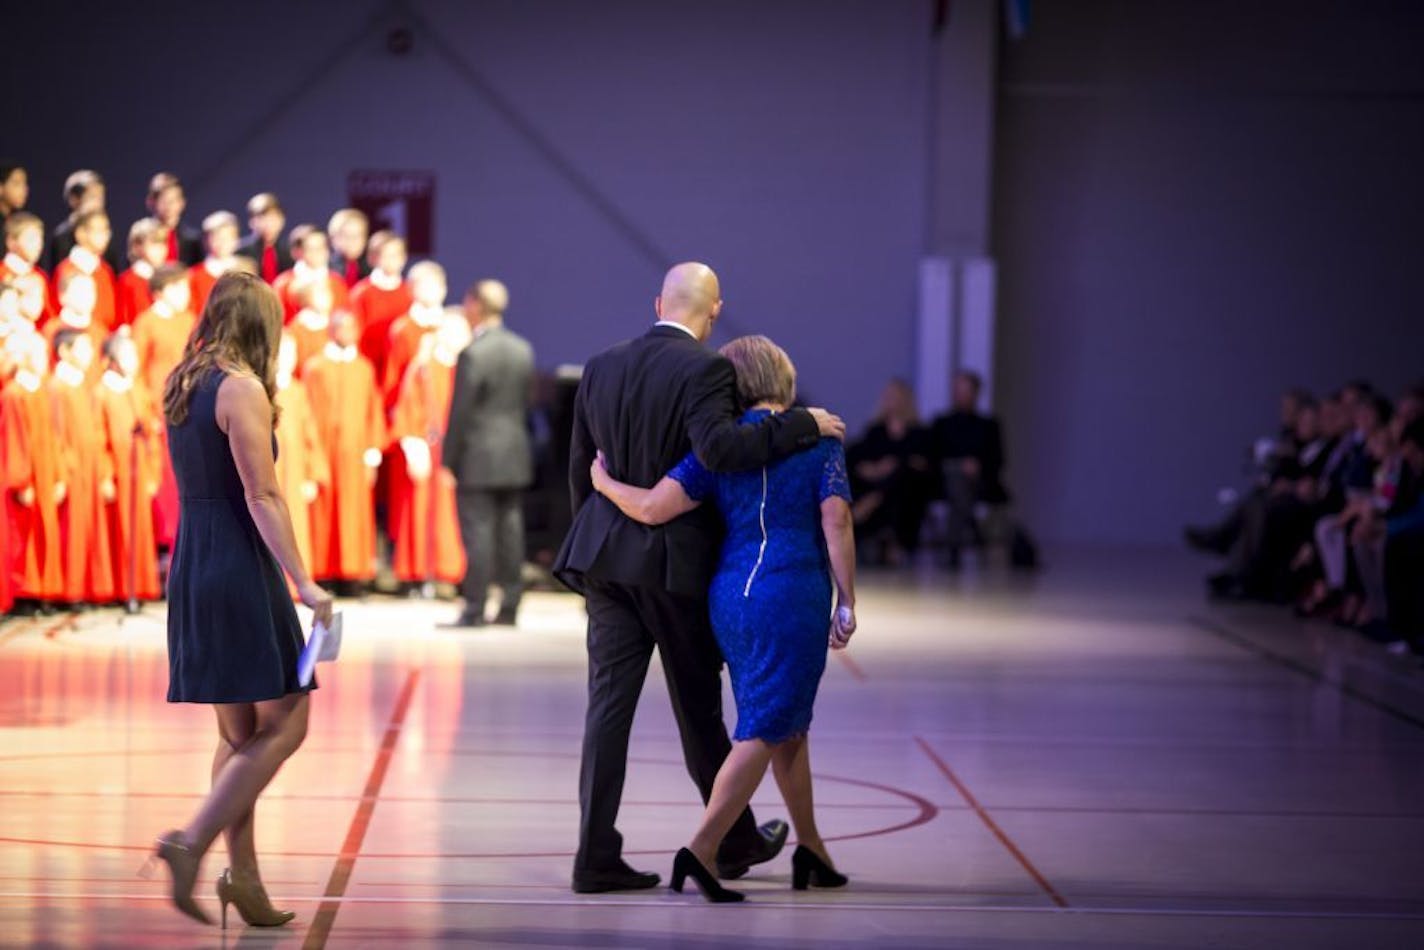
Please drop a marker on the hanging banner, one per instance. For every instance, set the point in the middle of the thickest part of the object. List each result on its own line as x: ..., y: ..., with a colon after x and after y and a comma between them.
x: 399, y: 201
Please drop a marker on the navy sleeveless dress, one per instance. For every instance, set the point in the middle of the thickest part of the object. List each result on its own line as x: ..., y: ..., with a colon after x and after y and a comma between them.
x: 770, y: 600
x: 233, y: 633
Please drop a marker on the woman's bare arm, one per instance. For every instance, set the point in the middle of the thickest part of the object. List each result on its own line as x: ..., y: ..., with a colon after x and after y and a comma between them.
x: 657, y: 505
x: 839, y: 529
x: 245, y: 414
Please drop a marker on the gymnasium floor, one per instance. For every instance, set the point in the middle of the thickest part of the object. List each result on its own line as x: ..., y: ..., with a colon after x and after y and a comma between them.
x: 1093, y: 757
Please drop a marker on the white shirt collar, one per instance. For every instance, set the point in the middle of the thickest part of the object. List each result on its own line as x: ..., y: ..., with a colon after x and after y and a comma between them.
x: 84, y: 259
x: 116, y: 382
x: 669, y: 323
x: 426, y: 316
x: 339, y: 354
x: 216, y: 267
x: 28, y: 381
x: 162, y: 308
x: 302, y: 272
x: 17, y: 264
x: 75, y: 321
x: 312, y: 320
x: 384, y: 281
x: 143, y: 269
x: 69, y: 375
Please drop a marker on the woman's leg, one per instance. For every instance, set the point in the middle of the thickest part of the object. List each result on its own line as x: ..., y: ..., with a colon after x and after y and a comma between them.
x: 736, y: 781
x: 237, y: 724
x: 791, y: 764
x: 281, y: 725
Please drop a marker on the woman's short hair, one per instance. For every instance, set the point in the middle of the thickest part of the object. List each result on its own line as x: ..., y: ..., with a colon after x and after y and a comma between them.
x: 764, y: 372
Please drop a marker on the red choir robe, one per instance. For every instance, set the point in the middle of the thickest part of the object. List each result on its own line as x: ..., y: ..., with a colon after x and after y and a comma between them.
x: 31, y: 461
x: 16, y: 270
x: 9, y: 537
x: 290, y: 281
x: 376, y: 309
x: 310, y: 331
x: 423, y: 522
x: 403, y: 344
x: 347, y: 407
x: 130, y: 421
x: 160, y: 336
x: 88, y: 464
x: 201, y: 280
x: 131, y: 295
x: 300, y: 459
x: 105, y: 306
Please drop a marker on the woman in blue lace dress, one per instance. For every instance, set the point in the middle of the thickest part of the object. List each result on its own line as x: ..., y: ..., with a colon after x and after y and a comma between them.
x: 788, y: 532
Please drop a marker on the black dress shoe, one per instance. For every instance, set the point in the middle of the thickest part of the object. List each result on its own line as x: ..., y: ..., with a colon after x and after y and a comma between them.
x: 463, y: 622
x: 773, y: 839
x: 621, y: 878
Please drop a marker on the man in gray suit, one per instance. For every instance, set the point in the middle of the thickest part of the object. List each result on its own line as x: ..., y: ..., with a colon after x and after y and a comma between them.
x: 487, y: 449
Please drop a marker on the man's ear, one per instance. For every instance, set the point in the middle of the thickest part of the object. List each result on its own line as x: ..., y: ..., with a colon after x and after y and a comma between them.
x: 658, y: 306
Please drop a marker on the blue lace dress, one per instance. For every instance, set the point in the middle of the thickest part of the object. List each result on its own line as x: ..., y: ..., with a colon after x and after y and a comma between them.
x: 770, y: 600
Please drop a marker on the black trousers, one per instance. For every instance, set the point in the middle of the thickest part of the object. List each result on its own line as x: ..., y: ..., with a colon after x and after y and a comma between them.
x: 624, y: 625
x: 492, y: 532
x: 1404, y: 586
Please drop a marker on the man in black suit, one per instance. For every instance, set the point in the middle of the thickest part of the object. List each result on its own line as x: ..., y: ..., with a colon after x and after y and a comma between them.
x: 166, y: 202
x: 970, y: 450
x: 84, y: 190
x: 265, y: 245
x: 646, y: 403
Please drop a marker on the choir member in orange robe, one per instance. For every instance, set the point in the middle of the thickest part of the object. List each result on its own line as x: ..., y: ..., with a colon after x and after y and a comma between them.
x: 428, y: 289
x: 160, y: 334
x: 341, y: 385
x: 11, y: 325
x: 423, y: 522
x: 131, y: 427
x: 33, y: 476
x: 76, y: 313
x: 311, y: 264
x: 381, y: 297
x: 91, y: 240
x: 311, y: 328
x: 348, y: 230
x: 88, y: 465
x: 167, y: 202
x: 148, y: 250
x: 302, y: 466
x: 24, y: 243
x: 220, y: 231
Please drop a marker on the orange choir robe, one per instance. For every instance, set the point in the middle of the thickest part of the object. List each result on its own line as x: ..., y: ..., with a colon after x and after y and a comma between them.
x: 105, y: 305
x: 300, y: 459
x: 286, y: 287
x: 310, y: 332
x: 87, y: 463
x: 200, y: 284
x: 423, y: 521
x: 350, y: 424
x: 14, y: 470
x: 131, y: 296
x: 160, y: 336
x: 130, y: 421
x: 31, y: 460
x: 404, y: 343
x: 13, y: 270
x: 375, y: 311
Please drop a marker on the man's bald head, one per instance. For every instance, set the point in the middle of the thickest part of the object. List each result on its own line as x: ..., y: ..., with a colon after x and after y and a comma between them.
x: 691, y: 296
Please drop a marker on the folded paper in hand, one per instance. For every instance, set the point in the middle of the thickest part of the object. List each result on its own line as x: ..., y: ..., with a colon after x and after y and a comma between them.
x: 323, y: 646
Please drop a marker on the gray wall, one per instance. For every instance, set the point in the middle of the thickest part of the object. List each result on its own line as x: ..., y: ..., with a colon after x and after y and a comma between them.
x: 1197, y: 205
x: 781, y: 142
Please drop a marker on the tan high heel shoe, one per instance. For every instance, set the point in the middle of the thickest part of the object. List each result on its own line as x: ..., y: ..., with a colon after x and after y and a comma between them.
x: 173, y: 850
x: 253, y: 905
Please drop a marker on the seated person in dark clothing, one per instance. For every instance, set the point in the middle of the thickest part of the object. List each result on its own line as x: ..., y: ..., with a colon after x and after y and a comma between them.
x: 891, y: 477
x: 969, y: 452
x: 1403, y: 534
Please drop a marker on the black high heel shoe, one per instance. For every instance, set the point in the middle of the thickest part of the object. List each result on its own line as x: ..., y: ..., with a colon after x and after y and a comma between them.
x: 808, y: 870
x: 686, y: 865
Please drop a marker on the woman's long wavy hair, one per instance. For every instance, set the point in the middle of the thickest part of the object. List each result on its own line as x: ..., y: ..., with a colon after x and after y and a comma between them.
x: 239, y: 331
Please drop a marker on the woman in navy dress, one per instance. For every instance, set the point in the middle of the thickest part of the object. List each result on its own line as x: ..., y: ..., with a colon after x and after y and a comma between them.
x: 233, y: 634
x: 788, y: 532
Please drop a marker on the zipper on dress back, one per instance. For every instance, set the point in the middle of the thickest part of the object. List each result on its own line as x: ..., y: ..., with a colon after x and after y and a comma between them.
x: 761, y: 552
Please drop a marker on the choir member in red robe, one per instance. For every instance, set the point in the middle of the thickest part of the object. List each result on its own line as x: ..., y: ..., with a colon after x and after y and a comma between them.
x: 344, y: 399
x: 382, y: 297
x: 423, y: 521
x: 348, y: 230
x: 220, y: 232
x: 131, y: 428
x: 91, y: 241
x: 302, y: 465
x: 11, y: 325
x: 160, y: 334
x: 310, y: 329
x: 265, y: 246
x: 311, y: 264
x: 167, y: 202
x: 33, y: 476
x: 24, y: 242
x: 88, y: 465
x: 76, y: 313
x: 148, y: 250
x: 427, y: 310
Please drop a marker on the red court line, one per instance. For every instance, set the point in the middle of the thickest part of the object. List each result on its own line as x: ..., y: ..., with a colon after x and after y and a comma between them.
x: 848, y: 661
x: 993, y: 826
x: 346, y: 861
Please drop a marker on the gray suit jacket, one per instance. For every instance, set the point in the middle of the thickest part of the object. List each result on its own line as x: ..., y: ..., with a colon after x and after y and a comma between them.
x: 487, y: 439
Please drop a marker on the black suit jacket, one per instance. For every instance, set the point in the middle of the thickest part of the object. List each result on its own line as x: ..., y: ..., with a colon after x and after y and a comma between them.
x: 487, y: 436
x: 646, y: 403
x: 252, y: 248
x: 61, y: 242
x: 190, y: 246
x: 958, y: 435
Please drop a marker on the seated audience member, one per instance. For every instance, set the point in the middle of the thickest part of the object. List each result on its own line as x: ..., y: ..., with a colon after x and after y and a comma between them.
x: 891, y: 477
x: 264, y: 246
x: 968, y: 448
x: 167, y: 202
x: 1402, y: 534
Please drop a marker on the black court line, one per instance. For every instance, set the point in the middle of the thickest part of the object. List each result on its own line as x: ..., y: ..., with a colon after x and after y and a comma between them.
x: 1305, y: 669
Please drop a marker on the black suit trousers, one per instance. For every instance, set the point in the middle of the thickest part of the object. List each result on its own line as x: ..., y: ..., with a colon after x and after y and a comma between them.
x: 625, y: 624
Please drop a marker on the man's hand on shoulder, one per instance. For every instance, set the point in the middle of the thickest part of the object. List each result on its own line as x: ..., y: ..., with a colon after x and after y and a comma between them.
x: 831, y: 425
